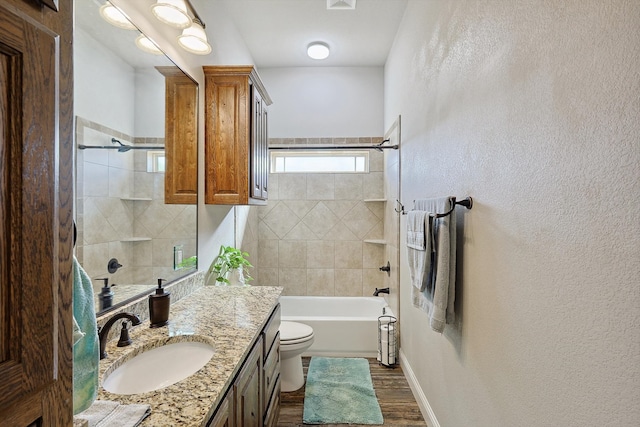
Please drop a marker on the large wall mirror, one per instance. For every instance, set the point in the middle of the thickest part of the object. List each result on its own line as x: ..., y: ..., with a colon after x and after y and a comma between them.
x: 129, y: 230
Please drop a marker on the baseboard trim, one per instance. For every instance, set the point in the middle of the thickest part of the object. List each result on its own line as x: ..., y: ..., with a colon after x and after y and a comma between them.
x: 421, y: 399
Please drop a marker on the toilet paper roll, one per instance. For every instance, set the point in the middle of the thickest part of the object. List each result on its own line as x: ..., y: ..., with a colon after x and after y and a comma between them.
x: 387, y: 332
x: 387, y: 353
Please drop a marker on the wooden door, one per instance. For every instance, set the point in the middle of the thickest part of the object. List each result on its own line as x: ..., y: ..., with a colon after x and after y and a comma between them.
x: 35, y: 213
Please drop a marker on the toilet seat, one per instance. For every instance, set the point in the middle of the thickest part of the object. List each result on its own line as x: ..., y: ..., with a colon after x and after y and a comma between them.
x: 294, y: 333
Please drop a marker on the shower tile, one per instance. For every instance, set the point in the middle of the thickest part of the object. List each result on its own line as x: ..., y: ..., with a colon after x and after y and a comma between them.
x: 293, y: 280
x: 376, y: 232
x: 96, y: 181
x: 377, y: 208
x: 292, y: 254
x: 348, y: 186
x: 372, y: 255
x: 340, y: 207
x: 267, y: 277
x: 348, y: 282
x: 281, y: 220
x: 340, y: 232
x: 320, y: 186
x: 264, y: 232
x: 320, y: 282
x: 300, y: 207
x: 372, y: 279
x: 376, y: 161
x: 292, y: 187
x: 268, y: 253
x: 373, y: 185
x: 360, y: 220
x: 300, y: 232
x: 320, y: 254
x: 348, y: 254
x: 273, y: 186
x: 320, y: 219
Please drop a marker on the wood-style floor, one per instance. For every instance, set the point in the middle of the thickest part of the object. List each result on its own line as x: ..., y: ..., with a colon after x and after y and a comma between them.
x: 399, y: 408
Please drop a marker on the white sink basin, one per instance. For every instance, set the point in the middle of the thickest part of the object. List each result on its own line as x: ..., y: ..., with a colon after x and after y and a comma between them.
x: 158, y: 368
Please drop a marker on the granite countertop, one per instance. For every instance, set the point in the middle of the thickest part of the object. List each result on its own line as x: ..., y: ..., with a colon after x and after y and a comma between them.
x: 227, y: 317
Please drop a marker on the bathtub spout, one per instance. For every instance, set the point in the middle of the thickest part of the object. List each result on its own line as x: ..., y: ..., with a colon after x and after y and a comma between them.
x: 380, y: 291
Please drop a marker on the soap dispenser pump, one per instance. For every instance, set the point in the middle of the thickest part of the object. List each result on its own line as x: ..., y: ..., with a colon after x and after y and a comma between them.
x: 159, y: 306
x: 106, y: 295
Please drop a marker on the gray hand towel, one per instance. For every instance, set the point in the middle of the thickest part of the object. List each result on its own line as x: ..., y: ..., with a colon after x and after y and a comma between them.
x: 106, y: 413
x: 437, y: 300
x: 419, y: 247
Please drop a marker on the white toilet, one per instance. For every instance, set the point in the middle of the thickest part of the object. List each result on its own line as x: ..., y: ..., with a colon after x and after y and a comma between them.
x: 295, y: 339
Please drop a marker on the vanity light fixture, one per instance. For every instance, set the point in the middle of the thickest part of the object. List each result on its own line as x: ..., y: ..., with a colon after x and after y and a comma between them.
x: 194, y: 39
x: 172, y: 12
x: 144, y: 43
x: 318, y: 50
x: 114, y: 16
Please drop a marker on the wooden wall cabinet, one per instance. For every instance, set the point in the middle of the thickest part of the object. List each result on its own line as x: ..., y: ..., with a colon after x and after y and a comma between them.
x: 181, y: 137
x: 36, y: 198
x: 253, y: 400
x: 236, y: 136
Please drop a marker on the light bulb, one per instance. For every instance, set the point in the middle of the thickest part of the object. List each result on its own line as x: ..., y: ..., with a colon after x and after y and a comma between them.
x: 145, y: 44
x: 194, y: 40
x: 114, y: 16
x: 172, y: 12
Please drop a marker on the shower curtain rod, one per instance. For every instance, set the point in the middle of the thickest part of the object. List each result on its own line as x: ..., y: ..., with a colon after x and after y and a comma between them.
x: 120, y: 148
x: 378, y: 147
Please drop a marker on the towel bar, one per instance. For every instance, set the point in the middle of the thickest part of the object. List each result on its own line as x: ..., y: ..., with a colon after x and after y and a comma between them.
x: 467, y: 203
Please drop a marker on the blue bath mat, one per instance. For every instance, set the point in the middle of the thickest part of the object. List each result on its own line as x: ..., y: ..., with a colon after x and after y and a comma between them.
x: 339, y: 391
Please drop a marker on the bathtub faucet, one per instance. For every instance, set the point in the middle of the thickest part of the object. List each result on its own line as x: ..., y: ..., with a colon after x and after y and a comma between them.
x: 380, y: 291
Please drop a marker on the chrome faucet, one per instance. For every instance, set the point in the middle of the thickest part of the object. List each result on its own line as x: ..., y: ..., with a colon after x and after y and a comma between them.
x: 380, y: 291
x: 104, y: 331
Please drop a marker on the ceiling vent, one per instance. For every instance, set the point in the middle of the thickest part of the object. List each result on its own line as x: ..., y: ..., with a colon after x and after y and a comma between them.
x: 341, y: 4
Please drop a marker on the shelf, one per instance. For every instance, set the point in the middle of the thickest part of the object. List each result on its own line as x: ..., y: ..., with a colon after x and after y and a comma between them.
x: 376, y: 241
x: 136, y: 239
x: 375, y: 200
x: 136, y: 199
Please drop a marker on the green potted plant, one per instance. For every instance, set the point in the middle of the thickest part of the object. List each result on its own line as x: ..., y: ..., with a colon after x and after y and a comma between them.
x: 229, y: 267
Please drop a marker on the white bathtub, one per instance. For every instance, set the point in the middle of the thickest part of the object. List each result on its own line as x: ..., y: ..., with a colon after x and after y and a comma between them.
x: 342, y: 326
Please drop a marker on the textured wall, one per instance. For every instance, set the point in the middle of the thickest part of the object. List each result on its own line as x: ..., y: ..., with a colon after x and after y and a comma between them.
x: 532, y: 108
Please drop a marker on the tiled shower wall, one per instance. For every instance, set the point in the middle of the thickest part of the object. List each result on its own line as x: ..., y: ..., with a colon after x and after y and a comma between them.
x: 121, y: 212
x: 314, y: 236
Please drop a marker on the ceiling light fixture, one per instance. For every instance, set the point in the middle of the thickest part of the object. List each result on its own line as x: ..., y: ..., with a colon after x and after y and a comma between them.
x: 144, y: 43
x: 114, y: 16
x: 172, y: 12
x: 318, y: 50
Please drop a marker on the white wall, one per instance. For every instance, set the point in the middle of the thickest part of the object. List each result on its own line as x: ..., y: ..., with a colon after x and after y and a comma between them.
x: 103, y: 85
x: 324, y: 102
x: 531, y: 108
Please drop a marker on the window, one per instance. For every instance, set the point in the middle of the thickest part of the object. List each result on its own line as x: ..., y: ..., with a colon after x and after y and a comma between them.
x: 155, y: 161
x: 326, y: 161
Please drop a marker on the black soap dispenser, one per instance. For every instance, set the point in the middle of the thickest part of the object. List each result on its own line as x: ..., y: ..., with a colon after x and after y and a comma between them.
x: 159, y: 306
x: 106, y: 295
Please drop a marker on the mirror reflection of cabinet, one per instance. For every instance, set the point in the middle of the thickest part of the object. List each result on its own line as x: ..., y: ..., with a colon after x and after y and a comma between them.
x: 181, y: 137
x: 120, y: 104
x: 236, y: 139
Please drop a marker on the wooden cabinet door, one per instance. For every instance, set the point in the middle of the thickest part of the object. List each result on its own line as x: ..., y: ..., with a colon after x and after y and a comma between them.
x: 36, y: 89
x: 224, y: 415
x: 181, y: 137
x: 249, y: 390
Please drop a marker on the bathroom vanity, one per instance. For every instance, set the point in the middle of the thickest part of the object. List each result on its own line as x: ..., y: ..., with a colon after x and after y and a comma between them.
x: 239, y: 386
